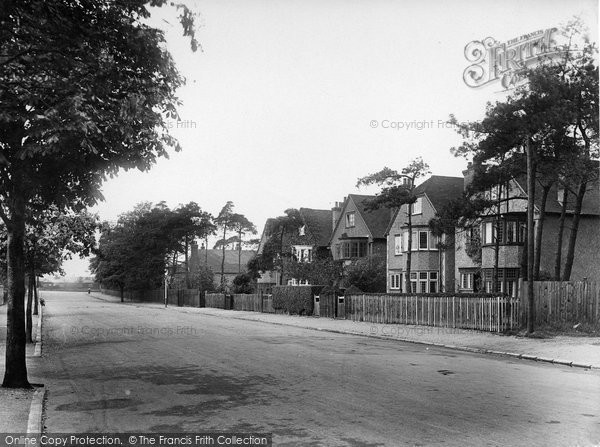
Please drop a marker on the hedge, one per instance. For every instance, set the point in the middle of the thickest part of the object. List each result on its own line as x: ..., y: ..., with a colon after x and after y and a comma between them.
x: 295, y: 299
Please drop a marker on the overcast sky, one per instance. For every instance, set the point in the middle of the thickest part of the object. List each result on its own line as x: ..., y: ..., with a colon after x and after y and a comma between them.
x: 291, y: 101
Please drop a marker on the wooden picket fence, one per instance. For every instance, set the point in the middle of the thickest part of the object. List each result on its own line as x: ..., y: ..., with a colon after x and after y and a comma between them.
x: 564, y: 302
x: 248, y: 302
x: 493, y: 314
x: 216, y: 300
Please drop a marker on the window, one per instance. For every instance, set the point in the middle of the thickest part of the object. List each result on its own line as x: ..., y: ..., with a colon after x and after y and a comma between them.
x: 510, y: 232
x: 466, y: 280
x: 354, y: 249
x: 395, y: 281
x: 302, y: 253
x: 417, y: 207
x: 488, y: 233
x: 433, y: 242
x: 433, y: 282
x: 397, y: 244
x: 424, y: 282
x: 507, y: 231
x: 405, y: 241
x: 302, y: 230
x: 423, y: 240
x: 413, y: 282
x: 349, y: 220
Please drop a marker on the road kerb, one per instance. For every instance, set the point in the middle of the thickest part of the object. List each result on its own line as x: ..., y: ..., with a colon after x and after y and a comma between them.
x: 34, y: 422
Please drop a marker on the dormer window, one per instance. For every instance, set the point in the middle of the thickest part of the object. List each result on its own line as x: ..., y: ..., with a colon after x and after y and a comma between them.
x: 349, y: 220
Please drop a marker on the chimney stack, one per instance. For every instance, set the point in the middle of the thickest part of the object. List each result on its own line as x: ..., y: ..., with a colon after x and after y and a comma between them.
x: 336, y: 213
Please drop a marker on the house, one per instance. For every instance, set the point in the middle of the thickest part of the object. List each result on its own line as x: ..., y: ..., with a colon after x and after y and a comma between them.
x: 358, y: 231
x: 235, y: 262
x: 432, y: 264
x: 312, y: 238
x: 476, y: 246
x: 308, y: 241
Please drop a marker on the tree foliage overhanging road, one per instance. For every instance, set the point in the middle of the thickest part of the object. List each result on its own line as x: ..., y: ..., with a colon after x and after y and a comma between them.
x: 85, y: 89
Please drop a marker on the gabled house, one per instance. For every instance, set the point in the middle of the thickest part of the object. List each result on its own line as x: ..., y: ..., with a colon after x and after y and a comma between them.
x: 357, y: 231
x: 476, y: 246
x: 432, y: 263
x: 312, y: 238
x: 308, y: 241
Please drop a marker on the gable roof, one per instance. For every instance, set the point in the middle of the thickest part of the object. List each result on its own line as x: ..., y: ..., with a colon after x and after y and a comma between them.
x: 376, y: 220
x: 441, y: 189
x: 266, y: 230
x: 318, y: 224
x: 231, y: 259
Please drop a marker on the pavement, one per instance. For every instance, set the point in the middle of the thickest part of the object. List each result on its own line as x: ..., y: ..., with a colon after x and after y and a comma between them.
x: 583, y: 352
x: 112, y: 367
x: 16, y: 404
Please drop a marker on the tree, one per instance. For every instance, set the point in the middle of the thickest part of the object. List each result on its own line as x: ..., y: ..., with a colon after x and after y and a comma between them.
x: 241, y: 225
x: 203, y: 279
x: 368, y: 274
x: 242, y: 283
x: 552, y: 123
x: 397, y: 190
x: 72, y: 114
x: 136, y: 253
x: 224, y: 221
x: 186, y: 223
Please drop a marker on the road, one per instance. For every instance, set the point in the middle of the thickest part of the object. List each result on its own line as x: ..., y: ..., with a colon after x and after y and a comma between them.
x: 112, y: 367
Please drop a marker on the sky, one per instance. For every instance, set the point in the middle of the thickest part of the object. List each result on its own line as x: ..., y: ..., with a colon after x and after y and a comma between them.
x: 291, y: 101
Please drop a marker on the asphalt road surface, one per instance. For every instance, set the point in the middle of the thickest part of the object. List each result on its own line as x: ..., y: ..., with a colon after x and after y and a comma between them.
x: 112, y: 367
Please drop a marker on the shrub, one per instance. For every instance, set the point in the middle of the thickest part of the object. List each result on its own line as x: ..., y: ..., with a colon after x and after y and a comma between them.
x: 242, y: 283
x: 368, y: 274
x: 295, y: 299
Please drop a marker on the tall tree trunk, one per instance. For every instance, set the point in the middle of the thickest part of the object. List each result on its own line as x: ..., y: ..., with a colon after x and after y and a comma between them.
x: 15, y: 373
x: 28, y: 317
x: 206, y: 250
x: 559, y: 237
x: 36, y: 298
x: 409, y: 250
x: 223, y: 258
x: 539, y: 233
x: 281, y: 234
x: 497, y: 224
x: 122, y: 294
x: 187, y: 265
x: 240, y: 252
x: 530, y: 237
x: 574, y: 229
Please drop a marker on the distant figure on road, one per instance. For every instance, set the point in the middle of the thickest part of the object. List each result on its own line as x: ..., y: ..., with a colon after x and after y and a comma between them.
x: 89, y: 290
